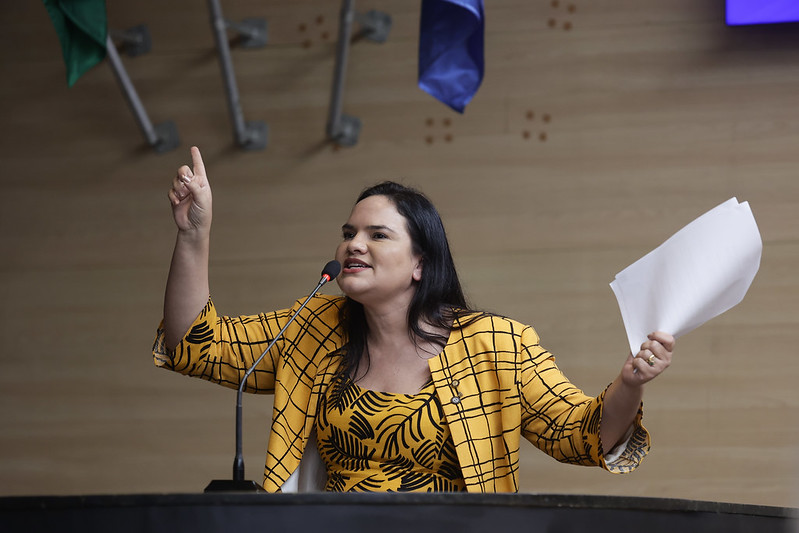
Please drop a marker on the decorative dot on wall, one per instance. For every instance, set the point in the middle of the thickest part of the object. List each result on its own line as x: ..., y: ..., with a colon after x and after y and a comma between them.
x: 317, y: 29
x: 570, y: 9
x: 531, y: 119
x: 435, y: 128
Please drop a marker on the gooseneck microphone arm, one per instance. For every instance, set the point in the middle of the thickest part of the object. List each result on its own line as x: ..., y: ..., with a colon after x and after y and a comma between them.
x: 329, y: 273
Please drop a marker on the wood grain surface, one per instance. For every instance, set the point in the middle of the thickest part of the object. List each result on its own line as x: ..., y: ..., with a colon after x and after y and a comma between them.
x: 600, y: 129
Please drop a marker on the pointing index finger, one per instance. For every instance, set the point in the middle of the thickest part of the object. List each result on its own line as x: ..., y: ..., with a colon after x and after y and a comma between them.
x: 197, y: 161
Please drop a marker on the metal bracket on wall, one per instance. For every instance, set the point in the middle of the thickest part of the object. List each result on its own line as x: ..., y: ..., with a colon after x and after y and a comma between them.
x: 249, y: 135
x: 134, y: 41
x: 162, y: 137
x: 252, y: 32
x: 375, y: 26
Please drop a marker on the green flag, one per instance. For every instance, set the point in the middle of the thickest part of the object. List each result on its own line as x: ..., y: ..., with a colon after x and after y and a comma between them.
x: 82, y: 28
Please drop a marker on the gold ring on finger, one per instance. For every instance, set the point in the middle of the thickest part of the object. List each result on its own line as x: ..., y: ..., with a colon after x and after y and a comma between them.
x: 651, y: 360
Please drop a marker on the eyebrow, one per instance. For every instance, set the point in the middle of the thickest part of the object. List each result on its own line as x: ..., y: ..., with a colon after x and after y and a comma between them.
x: 370, y: 228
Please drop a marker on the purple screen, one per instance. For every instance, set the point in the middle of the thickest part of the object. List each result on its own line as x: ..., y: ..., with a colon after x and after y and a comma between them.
x: 762, y: 11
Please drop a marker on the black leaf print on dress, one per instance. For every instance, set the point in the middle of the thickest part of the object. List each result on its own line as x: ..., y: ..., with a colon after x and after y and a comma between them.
x: 376, y: 441
x: 346, y: 450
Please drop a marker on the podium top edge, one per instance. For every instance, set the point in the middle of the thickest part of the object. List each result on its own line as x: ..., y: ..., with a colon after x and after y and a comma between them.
x: 530, y: 500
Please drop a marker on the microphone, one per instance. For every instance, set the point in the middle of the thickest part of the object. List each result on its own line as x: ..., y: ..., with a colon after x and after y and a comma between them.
x: 238, y: 483
x: 330, y: 272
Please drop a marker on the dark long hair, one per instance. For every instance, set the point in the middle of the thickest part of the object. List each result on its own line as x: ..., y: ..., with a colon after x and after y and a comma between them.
x: 438, y: 299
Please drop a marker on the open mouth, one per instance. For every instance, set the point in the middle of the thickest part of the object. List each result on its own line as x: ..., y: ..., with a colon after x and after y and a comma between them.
x: 355, y: 265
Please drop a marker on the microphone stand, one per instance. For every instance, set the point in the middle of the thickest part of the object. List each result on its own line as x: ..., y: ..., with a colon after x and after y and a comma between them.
x: 238, y: 483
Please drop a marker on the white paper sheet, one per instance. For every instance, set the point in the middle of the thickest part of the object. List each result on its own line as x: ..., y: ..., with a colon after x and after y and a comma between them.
x: 698, y: 273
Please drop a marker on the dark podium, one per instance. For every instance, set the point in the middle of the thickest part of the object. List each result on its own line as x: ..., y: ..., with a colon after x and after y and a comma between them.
x: 386, y: 513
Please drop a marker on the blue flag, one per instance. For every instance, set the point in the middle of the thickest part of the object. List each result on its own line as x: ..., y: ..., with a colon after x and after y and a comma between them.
x: 451, y: 50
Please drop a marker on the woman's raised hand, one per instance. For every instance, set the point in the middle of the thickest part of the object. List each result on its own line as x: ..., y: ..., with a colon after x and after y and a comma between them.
x: 190, y: 196
x: 653, y: 358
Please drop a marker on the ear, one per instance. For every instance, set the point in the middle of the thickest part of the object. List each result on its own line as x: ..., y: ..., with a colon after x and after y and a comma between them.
x: 417, y: 271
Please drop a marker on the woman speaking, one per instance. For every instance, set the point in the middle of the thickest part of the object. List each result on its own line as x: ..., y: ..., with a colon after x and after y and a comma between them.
x: 397, y: 385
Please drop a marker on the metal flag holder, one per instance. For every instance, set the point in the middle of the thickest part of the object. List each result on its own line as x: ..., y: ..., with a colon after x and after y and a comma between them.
x: 249, y: 135
x: 135, y: 41
x: 374, y: 26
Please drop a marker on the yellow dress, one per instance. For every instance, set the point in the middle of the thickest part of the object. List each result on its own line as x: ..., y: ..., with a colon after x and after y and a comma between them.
x: 495, y: 382
x: 380, y: 441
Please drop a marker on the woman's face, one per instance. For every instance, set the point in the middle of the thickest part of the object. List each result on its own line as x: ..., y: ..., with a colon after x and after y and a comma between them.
x: 376, y: 255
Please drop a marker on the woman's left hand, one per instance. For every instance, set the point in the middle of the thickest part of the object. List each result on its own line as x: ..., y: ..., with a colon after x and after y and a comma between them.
x: 654, y: 358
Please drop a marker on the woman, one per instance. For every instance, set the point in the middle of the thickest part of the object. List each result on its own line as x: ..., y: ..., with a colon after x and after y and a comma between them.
x: 397, y: 385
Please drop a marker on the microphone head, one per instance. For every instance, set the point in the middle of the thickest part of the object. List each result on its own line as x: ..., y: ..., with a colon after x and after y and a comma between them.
x: 331, y: 270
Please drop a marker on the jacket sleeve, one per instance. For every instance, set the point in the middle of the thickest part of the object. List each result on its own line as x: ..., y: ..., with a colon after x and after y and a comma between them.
x: 562, y: 421
x: 220, y: 348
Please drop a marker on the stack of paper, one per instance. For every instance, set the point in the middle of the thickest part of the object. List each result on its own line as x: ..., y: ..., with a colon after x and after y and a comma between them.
x: 698, y: 273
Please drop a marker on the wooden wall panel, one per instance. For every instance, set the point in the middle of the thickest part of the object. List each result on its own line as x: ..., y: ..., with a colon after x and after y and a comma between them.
x: 600, y: 129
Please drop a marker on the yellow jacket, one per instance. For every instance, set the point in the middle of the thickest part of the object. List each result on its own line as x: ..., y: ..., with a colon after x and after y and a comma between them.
x: 495, y: 383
